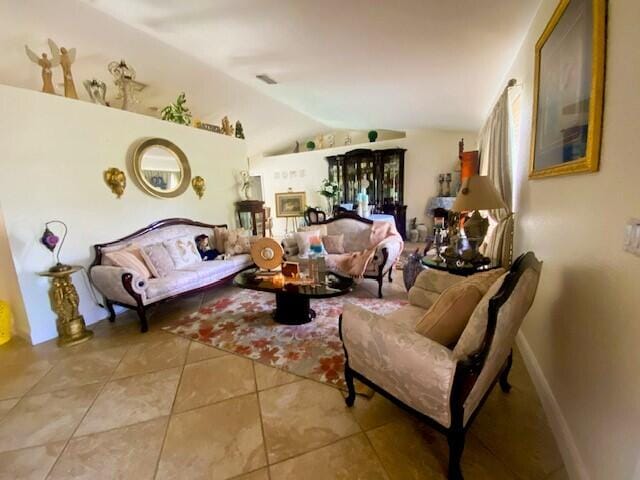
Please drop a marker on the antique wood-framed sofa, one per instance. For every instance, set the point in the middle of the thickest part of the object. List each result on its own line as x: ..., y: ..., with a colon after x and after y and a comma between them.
x: 126, y: 288
x: 356, y: 231
x: 445, y: 387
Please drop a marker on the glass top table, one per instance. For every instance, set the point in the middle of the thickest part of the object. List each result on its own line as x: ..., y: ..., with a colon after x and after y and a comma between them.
x: 456, y: 269
x: 293, y: 299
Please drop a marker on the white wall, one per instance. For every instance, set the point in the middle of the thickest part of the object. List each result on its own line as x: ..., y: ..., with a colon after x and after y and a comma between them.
x: 54, y: 153
x: 584, y: 328
x: 429, y: 152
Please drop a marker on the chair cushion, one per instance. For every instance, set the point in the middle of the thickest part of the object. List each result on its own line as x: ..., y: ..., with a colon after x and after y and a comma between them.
x: 131, y: 258
x: 157, y: 260
x: 436, y: 280
x: 333, y: 243
x: 422, y: 298
x: 183, y: 251
x: 447, y: 318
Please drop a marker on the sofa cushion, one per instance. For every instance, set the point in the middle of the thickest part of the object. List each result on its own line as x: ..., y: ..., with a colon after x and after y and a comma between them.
x: 436, y: 280
x: 216, y: 270
x: 409, y: 315
x: 484, y: 280
x: 237, y: 242
x: 333, y: 243
x: 183, y: 251
x: 157, y: 259
x: 356, y: 233
x: 447, y: 318
x: 219, y: 238
x: 174, y: 283
x: 131, y: 258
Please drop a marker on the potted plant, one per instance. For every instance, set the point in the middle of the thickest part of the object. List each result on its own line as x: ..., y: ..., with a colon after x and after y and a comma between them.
x: 177, y: 112
x: 311, y: 145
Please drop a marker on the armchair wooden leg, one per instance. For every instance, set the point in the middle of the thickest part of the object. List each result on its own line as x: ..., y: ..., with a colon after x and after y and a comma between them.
x: 390, y: 272
x: 112, y: 312
x: 351, y: 396
x: 504, y: 376
x: 456, y: 446
x: 380, y: 280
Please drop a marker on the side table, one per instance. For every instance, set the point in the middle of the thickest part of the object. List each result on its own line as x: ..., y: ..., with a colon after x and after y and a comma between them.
x: 454, y: 269
x: 64, y: 302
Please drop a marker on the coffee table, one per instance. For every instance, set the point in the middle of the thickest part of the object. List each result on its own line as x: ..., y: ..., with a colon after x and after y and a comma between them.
x: 293, y: 300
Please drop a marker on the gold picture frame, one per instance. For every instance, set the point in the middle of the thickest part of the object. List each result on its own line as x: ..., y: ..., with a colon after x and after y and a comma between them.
x: 290, y: 204
x: 576, y: 147
x: 166, y: 152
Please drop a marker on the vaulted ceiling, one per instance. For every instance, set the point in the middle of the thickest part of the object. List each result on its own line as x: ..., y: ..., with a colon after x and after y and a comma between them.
x: 357, y: 63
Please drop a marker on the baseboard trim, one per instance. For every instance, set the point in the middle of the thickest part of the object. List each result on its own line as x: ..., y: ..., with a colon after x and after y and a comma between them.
x: 566, y: 443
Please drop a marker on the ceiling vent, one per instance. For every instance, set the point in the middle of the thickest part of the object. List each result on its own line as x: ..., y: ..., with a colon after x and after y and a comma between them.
x: 266, y: 79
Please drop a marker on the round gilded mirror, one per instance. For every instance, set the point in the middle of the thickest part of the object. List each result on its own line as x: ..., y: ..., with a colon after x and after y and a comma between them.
x: 161, y: 168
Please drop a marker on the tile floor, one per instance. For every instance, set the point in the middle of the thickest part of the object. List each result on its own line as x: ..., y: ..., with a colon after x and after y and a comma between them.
x: 139, y: 406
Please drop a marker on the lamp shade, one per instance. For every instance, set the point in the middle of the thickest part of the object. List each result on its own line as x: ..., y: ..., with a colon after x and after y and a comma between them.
x: 478, y: 193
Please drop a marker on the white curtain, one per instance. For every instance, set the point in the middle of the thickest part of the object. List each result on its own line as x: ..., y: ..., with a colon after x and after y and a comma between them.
x: 495, y: 162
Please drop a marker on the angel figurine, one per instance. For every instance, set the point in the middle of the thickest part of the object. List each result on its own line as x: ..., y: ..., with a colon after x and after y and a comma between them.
x: 65, y: 58
x: 46, y: 64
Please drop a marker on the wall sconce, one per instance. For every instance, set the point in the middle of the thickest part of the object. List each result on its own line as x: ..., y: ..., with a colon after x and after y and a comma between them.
x: 116, y: 180
x: 199, y: 185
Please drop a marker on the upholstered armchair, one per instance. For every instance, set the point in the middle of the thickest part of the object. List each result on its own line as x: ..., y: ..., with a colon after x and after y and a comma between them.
x: 443, y: 385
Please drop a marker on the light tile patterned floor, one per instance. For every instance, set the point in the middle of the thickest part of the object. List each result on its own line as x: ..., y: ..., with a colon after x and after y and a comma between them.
x: 141, y: 406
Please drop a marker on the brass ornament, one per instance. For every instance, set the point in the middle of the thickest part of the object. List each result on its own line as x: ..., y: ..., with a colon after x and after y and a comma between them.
x: 226, y: 127
x: 116, y: 180
x: 267, y: 253
x: 199, y: 185
x: 64, y: 302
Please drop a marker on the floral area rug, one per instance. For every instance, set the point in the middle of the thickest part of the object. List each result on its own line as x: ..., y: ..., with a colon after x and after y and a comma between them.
x: 241, y: 323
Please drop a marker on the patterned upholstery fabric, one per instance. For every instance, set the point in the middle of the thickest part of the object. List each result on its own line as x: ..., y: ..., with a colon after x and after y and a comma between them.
x: 131, y: 258
x: 237, y: 242
x: 157, y: 259
x: 219, y: 238
x: 391, y: 354
x: 436, y: 281
x: 334, y: 243
x: 183, y: 251
x: 108, y: 278
x: 510, y: 319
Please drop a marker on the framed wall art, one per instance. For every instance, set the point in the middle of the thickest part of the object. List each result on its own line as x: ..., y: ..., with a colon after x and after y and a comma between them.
x: 569, y: 90
x: 290, y: 204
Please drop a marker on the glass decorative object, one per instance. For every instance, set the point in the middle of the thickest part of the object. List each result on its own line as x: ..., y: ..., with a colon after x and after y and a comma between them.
x: 124, y: 78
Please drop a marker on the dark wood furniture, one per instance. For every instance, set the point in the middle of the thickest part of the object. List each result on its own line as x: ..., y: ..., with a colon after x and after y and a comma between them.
x: 466, y: 374
x: 248, y: 211
x: 293, y: 300
x: 313, y: 216
x: 383, y: 169
x: 127, y: 278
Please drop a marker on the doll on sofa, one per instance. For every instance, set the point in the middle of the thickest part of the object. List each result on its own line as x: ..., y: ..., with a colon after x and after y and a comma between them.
x: 205, y: 250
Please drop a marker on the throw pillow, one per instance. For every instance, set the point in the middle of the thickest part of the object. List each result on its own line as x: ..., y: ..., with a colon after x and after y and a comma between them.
x: 130, y: 258
x: 305, y: 239
x: 447, y: 318
x: 237, y: 242
x: 219, y: 238
x: 183, y: 251
x: 157, y: 259
x: 484, y: 280
x: 333, y: 243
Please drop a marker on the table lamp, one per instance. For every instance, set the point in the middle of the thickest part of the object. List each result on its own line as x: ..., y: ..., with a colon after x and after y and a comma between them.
x: 477, y: 193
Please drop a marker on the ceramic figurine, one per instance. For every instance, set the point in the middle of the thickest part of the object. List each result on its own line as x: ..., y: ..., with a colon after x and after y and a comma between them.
x: 66, y: 59
x: 97, y: 91
x: 46, y: 64
x: 447, y: 180
x: 239, y: 130
x: 226, y: 127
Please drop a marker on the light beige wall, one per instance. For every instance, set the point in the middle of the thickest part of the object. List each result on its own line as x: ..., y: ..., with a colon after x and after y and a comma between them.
x: 54, y: 153
x: 429, y: 152
x: 584, y: 327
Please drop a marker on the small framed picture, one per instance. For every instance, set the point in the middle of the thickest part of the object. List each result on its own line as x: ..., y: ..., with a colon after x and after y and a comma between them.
x: 290, y: 204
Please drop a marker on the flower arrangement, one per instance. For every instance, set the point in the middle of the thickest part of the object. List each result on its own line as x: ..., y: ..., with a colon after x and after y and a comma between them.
x: 329, y: 189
